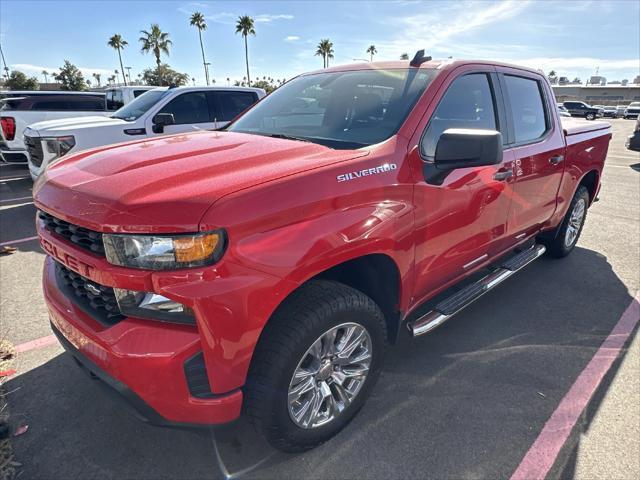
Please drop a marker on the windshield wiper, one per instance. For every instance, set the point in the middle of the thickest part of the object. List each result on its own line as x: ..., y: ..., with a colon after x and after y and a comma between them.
x: 286, y: 137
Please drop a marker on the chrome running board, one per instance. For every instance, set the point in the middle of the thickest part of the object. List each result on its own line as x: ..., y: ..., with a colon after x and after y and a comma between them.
x: 448, y: 307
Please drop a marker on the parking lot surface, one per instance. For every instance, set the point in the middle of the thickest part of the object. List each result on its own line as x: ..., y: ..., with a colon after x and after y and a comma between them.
x: 467, y: 401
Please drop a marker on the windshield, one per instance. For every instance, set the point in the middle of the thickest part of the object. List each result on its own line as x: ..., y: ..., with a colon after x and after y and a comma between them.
x: 138, y: 107
x: 341, y: 110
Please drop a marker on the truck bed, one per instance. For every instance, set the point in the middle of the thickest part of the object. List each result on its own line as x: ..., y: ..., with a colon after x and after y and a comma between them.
x: 576, y: 126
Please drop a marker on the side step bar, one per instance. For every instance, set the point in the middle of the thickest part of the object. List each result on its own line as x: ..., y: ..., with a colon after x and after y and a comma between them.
x: 448, y: 307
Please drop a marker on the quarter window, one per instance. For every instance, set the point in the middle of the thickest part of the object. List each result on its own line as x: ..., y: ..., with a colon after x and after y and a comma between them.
x: 527, y: 108
x: 468, y: 103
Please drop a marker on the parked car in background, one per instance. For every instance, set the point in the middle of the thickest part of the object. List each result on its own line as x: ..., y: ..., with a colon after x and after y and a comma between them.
x: 633, y: 110
x: 263, y: 268
x: 118, y: 97
x: 610, y: 112
x: 20, y: 109
x: 584, y: 110
x: 633, y: 140
x: 159, y: 111
x: 620, y: 109
x: 562, y: 111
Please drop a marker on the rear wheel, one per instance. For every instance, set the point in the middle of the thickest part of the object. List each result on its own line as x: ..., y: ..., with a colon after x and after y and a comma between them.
x: 571, y: 227
x: 315, y: 365
x: 590, y: 116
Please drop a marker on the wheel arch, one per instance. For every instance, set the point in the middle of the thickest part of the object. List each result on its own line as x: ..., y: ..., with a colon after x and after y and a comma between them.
x: 590, y: 180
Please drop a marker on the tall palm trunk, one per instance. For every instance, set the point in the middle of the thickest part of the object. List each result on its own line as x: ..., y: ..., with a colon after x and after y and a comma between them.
x: 246, y: 56
x: 204, y: 62
x: 122, y: 68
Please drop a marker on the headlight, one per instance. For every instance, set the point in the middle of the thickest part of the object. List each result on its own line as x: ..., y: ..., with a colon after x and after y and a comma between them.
x: 56, y: 147
x: 164, y: 253
x: 153, y: 306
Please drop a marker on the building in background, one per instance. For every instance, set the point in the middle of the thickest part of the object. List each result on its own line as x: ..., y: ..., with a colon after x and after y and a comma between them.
x: 598, y: 94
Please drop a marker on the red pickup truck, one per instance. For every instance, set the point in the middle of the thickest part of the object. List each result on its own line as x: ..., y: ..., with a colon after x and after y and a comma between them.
x: 263, y: 268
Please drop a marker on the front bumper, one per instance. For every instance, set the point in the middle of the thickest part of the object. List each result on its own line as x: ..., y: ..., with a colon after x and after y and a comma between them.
x: 142, y: 361
x: 633, y: 141
x: 13, y: 156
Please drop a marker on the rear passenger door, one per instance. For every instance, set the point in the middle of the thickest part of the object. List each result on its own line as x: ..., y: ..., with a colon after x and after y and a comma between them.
x: 229, y: 104
x: 537, y: 145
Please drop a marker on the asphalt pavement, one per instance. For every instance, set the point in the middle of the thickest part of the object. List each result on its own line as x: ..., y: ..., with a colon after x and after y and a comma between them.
x: 464, y: 402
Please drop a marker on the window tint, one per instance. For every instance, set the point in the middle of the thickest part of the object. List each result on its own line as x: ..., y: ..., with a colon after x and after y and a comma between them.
x: 115, y: 100
x: 467, y: 103
x: 231, y: 104
x: 527, y: 108
x: 189, y: 107
x: 137, y: 93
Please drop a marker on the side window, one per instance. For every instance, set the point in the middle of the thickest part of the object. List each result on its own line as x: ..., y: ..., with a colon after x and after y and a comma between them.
x: 467, y: 103
x: 115, y: 100
x: 59, y: 102
x: 231, y: 104
x: 87, y: 104
x: 137, y: 93
x: 191, y: 107
x: 527, y: 108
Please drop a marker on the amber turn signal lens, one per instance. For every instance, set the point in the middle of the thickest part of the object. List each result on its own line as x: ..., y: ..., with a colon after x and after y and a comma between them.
x: 197, y: 248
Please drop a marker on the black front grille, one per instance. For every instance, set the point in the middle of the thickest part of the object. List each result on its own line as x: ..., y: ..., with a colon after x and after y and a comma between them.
x: 34, y: 147
x: 83, y: 237
x: 94, y: 299
x: 195, y: 372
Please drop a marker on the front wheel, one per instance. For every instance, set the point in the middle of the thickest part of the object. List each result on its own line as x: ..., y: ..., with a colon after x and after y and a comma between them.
x: 571, y: 227
x: 315, y: 365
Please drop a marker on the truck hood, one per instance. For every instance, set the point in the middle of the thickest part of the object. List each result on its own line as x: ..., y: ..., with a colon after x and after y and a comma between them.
x: 166, y: 184
x: 67, y: 126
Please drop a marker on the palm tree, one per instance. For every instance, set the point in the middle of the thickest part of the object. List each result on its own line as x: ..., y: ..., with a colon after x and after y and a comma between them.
x: 404, y: 56
x: 117, y: 42
x: 155, y: 41
x: 372, y: 51
x: 197, y: 20
x: 246, y: 27
x: 45, y: 73
x: 97, y: 77
x: 325, y: 50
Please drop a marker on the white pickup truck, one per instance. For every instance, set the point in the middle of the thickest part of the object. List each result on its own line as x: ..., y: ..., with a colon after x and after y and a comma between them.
x: 161, y: 111
x: 22, y: 108
x: 19, y: 109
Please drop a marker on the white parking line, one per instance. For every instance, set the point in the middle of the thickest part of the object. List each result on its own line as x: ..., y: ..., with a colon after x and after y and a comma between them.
x: 19, y: 240
x: 12, y: 179
x: 16, y: 199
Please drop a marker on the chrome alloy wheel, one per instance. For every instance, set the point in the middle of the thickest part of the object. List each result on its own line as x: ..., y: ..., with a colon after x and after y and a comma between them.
x: 329, y: 375
x: 575, y: 222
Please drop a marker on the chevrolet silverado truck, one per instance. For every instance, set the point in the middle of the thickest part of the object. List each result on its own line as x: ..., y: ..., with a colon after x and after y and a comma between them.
x: 264, y: 268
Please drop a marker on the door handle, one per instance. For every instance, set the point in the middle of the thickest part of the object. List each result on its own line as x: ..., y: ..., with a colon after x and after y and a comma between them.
x: 556, y: 159
x: 503, y: 175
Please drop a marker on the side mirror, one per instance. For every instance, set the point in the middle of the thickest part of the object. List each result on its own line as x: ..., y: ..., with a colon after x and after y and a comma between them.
x: 161, y: 120
x: 462, y: 147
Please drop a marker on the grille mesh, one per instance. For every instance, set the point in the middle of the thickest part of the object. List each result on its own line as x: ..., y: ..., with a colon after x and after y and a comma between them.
x: 87, y: 239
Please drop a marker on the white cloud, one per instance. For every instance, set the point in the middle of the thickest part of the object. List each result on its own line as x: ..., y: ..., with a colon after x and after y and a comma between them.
x: 265, y: 18
x: 435, y: 28
x: 36, y: 70
x: 291, y: 38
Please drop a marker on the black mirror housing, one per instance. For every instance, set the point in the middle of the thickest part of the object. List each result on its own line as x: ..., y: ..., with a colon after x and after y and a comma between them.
x: 161, y: 120
x: 462, y: 147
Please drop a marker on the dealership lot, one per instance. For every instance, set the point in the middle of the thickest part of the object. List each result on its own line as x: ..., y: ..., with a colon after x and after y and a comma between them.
x: 467, y: 401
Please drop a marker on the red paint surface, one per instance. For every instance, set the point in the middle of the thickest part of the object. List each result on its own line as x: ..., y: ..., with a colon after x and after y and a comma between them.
x: 544, y: 451
x: 287, y: 220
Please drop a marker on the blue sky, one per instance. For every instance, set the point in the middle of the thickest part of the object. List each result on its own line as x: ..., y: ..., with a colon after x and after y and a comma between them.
x: 572, y: 37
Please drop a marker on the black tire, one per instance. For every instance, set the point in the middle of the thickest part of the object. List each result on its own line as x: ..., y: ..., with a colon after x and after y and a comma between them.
x: 590, y: 116
x: 304, y: 317
x: 557, y: 247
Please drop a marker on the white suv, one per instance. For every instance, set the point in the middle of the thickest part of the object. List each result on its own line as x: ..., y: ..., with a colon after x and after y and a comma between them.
x: 161, y: 111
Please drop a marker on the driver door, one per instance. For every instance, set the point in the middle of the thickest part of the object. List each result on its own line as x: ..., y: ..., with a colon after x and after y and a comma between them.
x: 461, y: 215
x: 190, y: 111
